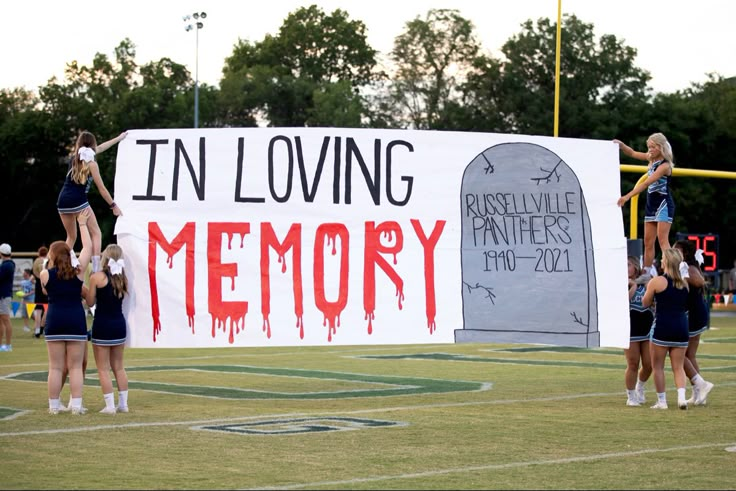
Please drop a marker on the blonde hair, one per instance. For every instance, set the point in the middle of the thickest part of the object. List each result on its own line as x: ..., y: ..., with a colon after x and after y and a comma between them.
x: 672, y: 259
x: 119, y: 282
x: 80, y: 168
x: 664, y: 146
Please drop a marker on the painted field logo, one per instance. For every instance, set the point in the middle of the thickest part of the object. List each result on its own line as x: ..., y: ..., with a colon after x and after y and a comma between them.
x: 249, y: 382
x: 301, y: 425
x: 7, y: 413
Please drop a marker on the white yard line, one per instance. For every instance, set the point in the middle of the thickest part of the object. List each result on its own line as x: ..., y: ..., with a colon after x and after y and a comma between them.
x: 306, y: 414
x: 493, y: 467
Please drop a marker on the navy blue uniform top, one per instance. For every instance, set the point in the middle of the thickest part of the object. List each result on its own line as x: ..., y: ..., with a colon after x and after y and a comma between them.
x: 73, y: 196
x: 699, y: 314
x: 640, y: 317
x: 65, y: 320
x: 661, y: 185
x: 660, y: 206
x: 670, y: 321
x: 109, y: 327
x: 7, y: 272
x: 40, y: 296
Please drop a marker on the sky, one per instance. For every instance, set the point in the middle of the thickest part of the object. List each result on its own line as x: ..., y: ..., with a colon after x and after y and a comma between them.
x: 678, y: 41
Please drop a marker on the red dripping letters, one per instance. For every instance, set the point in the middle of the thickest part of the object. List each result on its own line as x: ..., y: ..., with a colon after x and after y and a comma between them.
x: 329, y: 238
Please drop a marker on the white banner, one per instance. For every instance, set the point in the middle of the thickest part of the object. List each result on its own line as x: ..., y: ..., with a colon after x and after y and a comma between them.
x: 319, y: 236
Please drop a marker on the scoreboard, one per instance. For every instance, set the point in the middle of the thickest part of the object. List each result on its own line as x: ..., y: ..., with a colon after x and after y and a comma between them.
x: 708, y: 243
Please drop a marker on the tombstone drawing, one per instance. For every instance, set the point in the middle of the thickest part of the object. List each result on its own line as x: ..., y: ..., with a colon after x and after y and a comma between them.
x: 528, y: 274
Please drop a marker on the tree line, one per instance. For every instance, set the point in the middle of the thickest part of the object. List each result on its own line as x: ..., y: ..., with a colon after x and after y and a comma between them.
x: 319, y: 70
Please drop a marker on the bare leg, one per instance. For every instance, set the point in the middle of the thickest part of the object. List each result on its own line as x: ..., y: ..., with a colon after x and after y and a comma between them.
x: 646, y: 361
x: 677, y: 360
x: 24, y: 315
x: 69, y: 220
x: 57, y: 362
x: 39, y: 319
x: 94, y: 233
x: 650, y: 236
x: 659, y: 353
x: 102, y: 360
x: 692, y: 349
x: 74, y: 356
x: 65, y: 371
x: 116, y: 361
x: 6, y: 329
x: 663, y: 234
x: 690, y: 370
x: 84, y: 360
x: 632, y: 355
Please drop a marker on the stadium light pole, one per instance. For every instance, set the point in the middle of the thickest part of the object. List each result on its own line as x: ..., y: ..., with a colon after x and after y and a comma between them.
x: 196, y: 25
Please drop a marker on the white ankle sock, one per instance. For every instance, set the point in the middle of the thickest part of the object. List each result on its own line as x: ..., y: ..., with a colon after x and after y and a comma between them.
x: 640, y: 385
x: 75, y: 402
x: 53, y: 403
x: 109, y: 400
x: 681, y: 394
x: 123, y: 398
x: 662, y: 397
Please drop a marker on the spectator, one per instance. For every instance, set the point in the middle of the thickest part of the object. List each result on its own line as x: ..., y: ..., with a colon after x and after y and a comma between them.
x: 7, y: 273
x: 27, y: 288
x: 39, y: 313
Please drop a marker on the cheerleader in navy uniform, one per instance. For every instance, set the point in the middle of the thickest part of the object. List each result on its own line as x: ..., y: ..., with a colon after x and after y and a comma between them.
x: 83, y: 170
x: 39, y: 312
x: 660, y: 207
x: 670, y: 333
x: 66, y: 322
x: 698, y: 321
x: 107, y: 288
x: 640, y: 319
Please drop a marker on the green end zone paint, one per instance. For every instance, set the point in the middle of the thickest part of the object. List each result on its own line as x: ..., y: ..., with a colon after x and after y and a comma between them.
x: 390, y: 385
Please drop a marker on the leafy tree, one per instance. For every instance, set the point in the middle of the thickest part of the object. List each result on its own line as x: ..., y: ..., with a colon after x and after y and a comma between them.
x: 431, y: 58
x: 160, y: 96
x: 325, y: 48
x: 285, y: 78
x: 336, y: 104
x: 37, y: 133
x: 30, y: 144
x: 601, y: 89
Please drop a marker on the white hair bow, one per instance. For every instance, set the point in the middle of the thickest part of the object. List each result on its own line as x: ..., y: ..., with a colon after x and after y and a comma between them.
x: 116, y: 266
x: 684, y: 270
x: 75, y: 261
x: 699, y: 256
x: 86, y: 154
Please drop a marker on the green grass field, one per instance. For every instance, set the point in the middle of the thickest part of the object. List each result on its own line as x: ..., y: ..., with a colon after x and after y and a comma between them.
x: 467, y: 416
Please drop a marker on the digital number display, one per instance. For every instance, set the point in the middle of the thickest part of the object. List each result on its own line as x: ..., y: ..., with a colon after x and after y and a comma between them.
x: 708, y: 243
